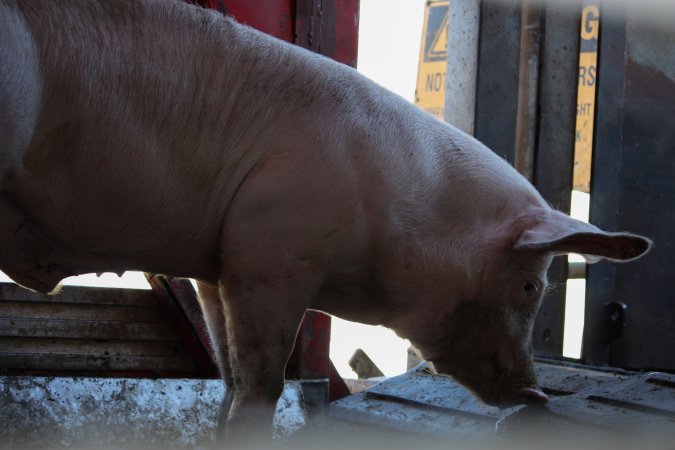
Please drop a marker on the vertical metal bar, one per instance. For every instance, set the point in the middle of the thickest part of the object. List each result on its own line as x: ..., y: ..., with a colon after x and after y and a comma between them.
x: 554, y: 161
x: 528, y: 86
x: 607, y: 149
x: 328, y: 27
x: 497, y: 87
x: 308, y: 24
x: 462, y: 64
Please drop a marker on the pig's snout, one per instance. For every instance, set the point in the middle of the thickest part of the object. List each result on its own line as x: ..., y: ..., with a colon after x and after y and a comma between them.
x: 528, y: 395
x: 531, y: 395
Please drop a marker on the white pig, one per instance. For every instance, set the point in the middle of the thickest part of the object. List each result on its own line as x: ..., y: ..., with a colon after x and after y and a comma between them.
x: 157, y: 136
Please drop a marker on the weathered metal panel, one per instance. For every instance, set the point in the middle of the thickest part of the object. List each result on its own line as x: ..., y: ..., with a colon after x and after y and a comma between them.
x: 632, y: 189
x: 88, y: 330
x: 81, y: 295
x: 648, y: 197
x: 553, y: 165
x: 51, y: 310
x: 85, y: 329
x: 497, y: 85
x: 112, y: 347
x: 97, y: 363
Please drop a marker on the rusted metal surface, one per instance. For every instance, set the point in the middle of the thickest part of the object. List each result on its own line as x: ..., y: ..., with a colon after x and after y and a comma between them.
x: 46, y: 412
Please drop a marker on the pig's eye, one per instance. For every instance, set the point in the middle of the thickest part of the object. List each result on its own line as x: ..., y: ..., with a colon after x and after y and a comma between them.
x: 529, y: 287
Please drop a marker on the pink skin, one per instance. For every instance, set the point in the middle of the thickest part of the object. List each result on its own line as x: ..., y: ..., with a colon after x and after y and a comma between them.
x: 280, y: 180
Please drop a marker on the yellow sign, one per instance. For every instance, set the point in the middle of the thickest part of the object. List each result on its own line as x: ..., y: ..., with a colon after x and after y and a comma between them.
x: 588, y: 60
x: 430, y: 92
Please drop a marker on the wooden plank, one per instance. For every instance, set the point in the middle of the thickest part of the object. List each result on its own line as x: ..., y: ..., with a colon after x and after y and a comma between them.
x: 92, y: 347
x: 96, y: 363
x: 13, y: 327
x: 81, y: 295
x: 105, y: 313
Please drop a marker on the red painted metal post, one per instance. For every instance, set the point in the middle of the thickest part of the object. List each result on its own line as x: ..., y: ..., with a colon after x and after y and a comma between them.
x: 329, y: 27
x: 178, y: 300
x: 273, y: 17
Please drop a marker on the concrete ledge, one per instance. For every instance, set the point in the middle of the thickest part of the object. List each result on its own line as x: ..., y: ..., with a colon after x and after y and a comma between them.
x: 56, y: 412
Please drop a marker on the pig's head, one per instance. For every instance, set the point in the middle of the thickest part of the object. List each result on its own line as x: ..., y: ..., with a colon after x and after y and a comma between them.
x: 487, y: 338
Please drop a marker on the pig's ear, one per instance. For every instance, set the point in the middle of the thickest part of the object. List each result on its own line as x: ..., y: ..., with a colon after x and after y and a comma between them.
x: 553, y: 232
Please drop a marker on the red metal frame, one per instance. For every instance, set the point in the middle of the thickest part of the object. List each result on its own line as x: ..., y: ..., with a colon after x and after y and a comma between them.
x: 329, y: 27
x: 274, y: 17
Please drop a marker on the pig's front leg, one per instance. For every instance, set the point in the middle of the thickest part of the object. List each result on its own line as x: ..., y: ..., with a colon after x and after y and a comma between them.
x: 214, y: 315
x: 263, y: 311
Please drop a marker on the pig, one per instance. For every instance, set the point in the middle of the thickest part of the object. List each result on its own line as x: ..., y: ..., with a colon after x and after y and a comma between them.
x: 157, y: 136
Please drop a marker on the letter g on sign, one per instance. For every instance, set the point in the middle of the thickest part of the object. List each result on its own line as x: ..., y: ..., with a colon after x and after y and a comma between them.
x: 590, y: 22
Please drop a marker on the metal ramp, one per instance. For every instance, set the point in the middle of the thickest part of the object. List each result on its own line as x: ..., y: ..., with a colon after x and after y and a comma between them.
x: 586, y: 403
